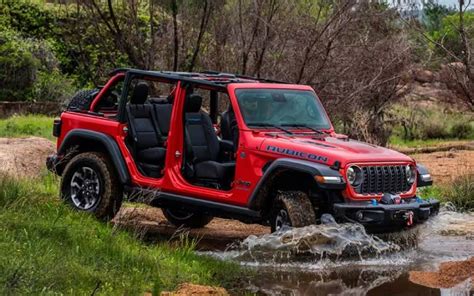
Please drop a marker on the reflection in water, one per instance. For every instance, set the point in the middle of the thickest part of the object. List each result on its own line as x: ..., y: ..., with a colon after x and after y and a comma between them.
x: 344, y: 260
x: 353, y: 281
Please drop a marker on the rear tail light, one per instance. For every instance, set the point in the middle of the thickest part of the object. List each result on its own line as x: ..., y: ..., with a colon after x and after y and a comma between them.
x: 57, y: 128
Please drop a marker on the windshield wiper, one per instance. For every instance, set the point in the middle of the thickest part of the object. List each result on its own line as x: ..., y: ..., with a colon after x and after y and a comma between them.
x: 307, y: 127
x: 271, y: 125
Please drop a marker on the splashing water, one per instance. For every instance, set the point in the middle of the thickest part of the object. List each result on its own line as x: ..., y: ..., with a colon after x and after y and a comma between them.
x: 331, y: 241
x: 344, y: 258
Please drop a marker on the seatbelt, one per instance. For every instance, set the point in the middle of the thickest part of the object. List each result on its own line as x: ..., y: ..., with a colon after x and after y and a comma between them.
x: 155, y: 126
x: 189, y: 153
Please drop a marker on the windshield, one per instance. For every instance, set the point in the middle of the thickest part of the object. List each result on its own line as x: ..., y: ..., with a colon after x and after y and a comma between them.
x: 281, y: 107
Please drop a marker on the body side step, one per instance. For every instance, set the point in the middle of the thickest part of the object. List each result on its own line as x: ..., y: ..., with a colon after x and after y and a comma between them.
x: 158, y: 198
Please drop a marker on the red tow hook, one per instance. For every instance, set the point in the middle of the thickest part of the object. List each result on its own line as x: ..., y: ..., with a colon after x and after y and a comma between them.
x: 409, y: 218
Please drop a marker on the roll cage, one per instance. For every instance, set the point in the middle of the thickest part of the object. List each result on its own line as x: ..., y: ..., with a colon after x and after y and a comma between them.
x: 210, y: 80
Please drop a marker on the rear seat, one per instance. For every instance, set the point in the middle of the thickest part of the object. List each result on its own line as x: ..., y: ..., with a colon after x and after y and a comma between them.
x: 163, y: 108
x: 144, y: 132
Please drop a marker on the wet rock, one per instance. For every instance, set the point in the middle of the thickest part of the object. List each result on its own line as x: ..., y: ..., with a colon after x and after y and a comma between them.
x: 327, y: 219
x: 463, y: 229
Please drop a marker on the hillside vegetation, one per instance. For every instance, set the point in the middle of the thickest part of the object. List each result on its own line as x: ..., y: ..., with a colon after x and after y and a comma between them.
x: 358, y: 55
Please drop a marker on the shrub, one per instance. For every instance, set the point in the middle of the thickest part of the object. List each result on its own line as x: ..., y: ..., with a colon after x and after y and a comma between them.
x: 461, y: 193
x: 29, y: 70
x: 51, y: 86
x: 461, y: 130
x: 18, y: 66
x: 432, y: 129
x: 412, y: 123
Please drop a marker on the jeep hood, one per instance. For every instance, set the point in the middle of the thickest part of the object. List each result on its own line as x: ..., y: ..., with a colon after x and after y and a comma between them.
x: 328, y: 149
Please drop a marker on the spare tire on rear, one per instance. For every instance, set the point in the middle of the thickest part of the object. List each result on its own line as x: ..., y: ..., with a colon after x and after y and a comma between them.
x: 82, y: 99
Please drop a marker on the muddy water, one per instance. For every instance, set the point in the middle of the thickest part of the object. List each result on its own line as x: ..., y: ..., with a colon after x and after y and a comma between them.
x: 344, y: 260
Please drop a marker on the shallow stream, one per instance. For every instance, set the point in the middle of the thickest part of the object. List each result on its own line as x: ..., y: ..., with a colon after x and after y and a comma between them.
x: 342, y: 259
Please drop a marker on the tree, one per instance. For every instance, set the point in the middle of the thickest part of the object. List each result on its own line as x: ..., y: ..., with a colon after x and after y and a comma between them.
x: 458, y: 45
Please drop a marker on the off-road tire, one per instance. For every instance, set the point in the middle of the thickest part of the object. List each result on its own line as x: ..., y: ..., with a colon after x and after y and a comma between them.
x: 82, y: 99
x: 192, y: 220
x: 110, y: 190
x: 297, y: 206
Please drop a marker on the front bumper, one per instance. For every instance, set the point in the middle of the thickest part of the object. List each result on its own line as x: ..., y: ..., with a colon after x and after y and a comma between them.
x: 410, y: 212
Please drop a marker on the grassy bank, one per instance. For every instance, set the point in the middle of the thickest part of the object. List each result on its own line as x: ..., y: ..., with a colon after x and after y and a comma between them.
x: 49, y: 249
x: 459, y: 193
x: 27, y: 125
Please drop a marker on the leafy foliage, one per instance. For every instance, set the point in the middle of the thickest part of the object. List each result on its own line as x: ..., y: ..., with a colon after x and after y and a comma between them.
x: 18, y: 66
x: 447, y: 33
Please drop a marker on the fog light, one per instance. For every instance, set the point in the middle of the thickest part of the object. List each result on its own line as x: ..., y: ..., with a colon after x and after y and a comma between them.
x: 360, y: 215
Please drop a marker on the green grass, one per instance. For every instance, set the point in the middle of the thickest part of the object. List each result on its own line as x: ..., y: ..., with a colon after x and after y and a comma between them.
x: 429, y: 126
x: 27, y: 125
x: 459, y: 193
x: 396, y: 141
x: 49, y: 249
x: 431, y: 192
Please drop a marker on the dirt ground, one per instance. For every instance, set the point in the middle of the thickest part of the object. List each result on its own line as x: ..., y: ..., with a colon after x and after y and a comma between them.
x: 217, y: 234
x: 445, y: 166
x: 449, y: 274
x: 25, y: 156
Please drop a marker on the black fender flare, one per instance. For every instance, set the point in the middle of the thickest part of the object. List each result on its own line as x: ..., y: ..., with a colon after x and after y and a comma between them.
x: 424, y: 177
x: 109, y: 143
x: 290, y: 164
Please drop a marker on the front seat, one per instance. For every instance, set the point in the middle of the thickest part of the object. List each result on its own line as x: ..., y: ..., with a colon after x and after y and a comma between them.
x: 144, y: 132
x: 229, y: 128
x: 206, y: 149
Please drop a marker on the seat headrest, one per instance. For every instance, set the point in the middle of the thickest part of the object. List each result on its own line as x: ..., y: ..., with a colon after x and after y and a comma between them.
x: 140, y: 93
x: 193, y: 103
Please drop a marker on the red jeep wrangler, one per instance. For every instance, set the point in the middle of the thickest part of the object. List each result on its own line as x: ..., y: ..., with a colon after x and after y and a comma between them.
x: 200, y: 145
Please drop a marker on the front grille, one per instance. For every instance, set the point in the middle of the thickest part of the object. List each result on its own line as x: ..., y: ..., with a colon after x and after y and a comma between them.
x: 383, y: 179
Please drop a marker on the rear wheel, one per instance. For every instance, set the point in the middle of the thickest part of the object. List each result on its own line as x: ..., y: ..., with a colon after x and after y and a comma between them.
x: 187, y: 219
x: 89, y: 184
x: 291, y: 209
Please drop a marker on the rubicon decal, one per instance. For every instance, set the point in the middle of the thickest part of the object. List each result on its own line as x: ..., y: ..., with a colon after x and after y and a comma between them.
x: 296, y: 153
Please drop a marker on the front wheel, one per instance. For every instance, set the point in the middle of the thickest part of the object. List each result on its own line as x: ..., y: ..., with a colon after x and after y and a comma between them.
x: 187, y: 219
x: 89, y: 184
x: 291, y: 209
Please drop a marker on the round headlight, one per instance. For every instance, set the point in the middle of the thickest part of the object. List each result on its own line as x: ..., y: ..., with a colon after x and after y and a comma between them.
x: 354, y: 175
x: 410, y: 173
